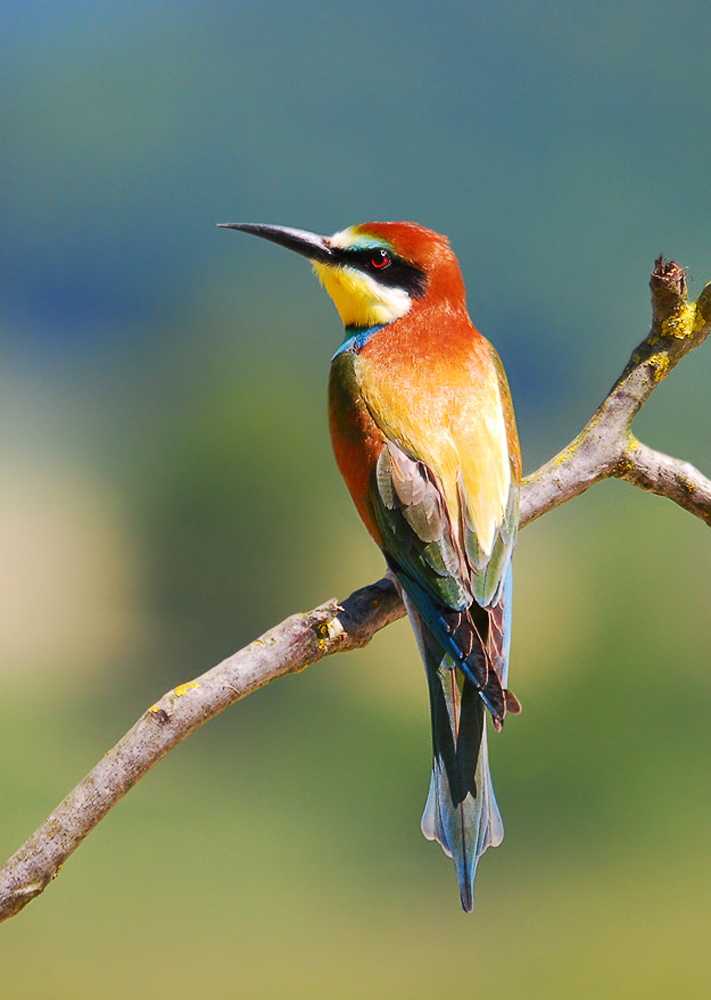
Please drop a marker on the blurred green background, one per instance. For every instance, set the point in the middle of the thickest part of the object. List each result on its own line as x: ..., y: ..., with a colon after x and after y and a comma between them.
x: 168, y: 492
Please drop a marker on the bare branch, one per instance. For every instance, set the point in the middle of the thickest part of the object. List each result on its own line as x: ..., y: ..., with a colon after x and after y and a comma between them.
x: 605, y: 447
x: 286, y: 649
x: 669, y: 477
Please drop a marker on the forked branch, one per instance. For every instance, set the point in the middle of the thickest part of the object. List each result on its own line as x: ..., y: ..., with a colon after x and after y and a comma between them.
x: 604, y: 448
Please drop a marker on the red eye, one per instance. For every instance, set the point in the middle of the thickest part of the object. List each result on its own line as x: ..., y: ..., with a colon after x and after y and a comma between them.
x: 380, y: 259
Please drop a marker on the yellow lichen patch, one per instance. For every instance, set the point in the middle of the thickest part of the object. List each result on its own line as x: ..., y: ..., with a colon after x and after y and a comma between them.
x: 184, y: 688
x: 327, y: 631
x: 154, y: 709
x: 700, y: 320
x: 660, y: 364
x: 567, y: 453
x: 624, y: 466
x: 680, y: 324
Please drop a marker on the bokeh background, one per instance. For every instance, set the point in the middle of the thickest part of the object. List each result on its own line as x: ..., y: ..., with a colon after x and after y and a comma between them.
x: 167, y: 492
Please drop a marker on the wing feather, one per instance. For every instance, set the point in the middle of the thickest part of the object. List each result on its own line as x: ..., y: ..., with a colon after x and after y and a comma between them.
x: 425, y: 553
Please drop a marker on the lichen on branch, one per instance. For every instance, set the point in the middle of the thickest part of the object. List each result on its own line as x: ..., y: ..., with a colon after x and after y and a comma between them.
x: 606, y: 447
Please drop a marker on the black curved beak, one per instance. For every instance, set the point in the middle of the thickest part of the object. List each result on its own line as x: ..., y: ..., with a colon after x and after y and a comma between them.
x: 316, y: 248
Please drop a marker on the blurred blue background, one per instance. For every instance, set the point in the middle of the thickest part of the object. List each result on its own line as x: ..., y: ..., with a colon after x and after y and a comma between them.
x: 168, y: 492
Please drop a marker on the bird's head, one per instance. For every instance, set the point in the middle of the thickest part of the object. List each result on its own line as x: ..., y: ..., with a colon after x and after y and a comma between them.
x: 377, y: 272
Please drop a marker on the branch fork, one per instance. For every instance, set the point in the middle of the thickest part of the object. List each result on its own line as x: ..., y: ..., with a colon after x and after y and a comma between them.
x: 606, y: 447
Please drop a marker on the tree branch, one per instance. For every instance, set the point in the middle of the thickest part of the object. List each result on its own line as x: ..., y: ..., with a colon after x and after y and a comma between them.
x: 604, y: 448
x: 288, y: 648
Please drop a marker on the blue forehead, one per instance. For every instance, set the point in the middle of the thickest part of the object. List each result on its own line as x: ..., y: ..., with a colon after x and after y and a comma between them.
x: 363, y: 241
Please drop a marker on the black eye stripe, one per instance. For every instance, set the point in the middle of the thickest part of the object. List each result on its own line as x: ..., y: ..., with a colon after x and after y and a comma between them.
x: 397, y: 273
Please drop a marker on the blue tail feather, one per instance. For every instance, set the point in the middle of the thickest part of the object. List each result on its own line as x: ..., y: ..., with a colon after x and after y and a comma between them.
x: 461, y: 811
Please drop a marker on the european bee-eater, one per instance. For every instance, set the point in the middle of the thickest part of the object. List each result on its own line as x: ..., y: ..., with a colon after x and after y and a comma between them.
x: 424, y: 435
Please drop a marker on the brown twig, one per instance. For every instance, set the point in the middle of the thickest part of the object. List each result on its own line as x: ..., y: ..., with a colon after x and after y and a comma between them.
x: 604, y: 448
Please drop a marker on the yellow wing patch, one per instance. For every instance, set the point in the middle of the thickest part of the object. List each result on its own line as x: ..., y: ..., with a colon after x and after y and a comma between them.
x: 457, y: 429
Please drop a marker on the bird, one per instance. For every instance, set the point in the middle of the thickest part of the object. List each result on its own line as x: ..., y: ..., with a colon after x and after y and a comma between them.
x: 424, y: 434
